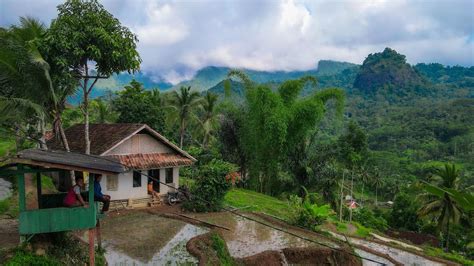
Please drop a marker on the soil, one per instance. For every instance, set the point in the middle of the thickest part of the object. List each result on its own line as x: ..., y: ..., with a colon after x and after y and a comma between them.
x: 415, y: 238
x: 200, y: 247
x: 9, y: 236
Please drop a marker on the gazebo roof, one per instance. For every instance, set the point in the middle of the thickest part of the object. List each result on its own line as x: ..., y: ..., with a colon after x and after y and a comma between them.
x: 67, y: 161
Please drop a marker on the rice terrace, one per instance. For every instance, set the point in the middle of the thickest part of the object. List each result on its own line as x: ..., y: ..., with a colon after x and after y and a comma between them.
x: 267, y: 132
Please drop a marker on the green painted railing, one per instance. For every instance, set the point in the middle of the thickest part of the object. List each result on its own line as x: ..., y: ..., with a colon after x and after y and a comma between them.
x: 57, y: 219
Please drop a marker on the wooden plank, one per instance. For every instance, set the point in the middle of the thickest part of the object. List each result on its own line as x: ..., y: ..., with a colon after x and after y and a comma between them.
x: 38, y: 189
x: 21, y: 190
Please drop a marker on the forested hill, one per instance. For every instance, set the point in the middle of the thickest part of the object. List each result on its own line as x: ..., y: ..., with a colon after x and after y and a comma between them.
x: 211, y: 76
x: 385, y: 75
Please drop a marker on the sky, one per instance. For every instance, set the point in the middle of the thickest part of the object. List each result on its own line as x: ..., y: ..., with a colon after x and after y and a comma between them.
x: 177, y: 38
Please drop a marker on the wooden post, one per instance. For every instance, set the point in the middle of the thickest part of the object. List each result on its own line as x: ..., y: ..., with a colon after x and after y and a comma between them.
x: 21, y: 189
x: 99, y: 237
x: 91, y: 247
x: 38, y: 188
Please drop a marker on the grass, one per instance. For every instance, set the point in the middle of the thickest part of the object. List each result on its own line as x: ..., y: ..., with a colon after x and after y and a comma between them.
x: 10, y: 206
x: 6, y: 145
x: 437, y: 252
x: 362, y: 231
x: 23, y: 257
x: 219, y: 245
x: 258, y: 202
x: 341, y: 227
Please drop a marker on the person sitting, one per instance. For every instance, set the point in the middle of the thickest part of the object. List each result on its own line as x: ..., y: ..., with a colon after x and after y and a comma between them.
x: 152, y: 192
x: 73, y: 197
x: 98, y: 196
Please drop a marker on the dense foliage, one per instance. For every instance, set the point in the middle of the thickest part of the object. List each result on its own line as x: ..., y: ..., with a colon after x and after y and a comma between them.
x: 210, y: 187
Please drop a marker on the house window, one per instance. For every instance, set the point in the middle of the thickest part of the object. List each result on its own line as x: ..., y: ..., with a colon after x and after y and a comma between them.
x: 137, y: 179
x: 169, y: 175
x: 112, y: 182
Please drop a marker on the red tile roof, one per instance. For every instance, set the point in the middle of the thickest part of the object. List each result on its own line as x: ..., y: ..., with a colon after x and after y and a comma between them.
x: 152, y: 160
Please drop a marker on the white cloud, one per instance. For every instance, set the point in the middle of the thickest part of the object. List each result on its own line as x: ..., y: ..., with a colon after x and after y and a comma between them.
x: 179, y: 37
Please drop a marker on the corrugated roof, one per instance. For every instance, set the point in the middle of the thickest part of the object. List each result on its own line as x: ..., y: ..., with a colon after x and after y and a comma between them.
x: 152, y: 160
x: 68, y: 160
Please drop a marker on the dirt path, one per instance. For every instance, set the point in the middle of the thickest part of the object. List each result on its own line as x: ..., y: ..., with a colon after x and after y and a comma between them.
x: 9, y: 236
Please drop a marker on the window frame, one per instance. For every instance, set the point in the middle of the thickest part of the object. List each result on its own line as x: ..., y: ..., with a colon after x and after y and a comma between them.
x: 135, y: 173
x: 169, y: 174
x: 108, y: 182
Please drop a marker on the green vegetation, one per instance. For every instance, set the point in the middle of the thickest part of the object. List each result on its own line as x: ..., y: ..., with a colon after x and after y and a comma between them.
x: 305, y: 213
x: 437, y: 252
x: 254, y: 201
x: 210, y: 187
x: 220, y: 247
x: 319, y: 139
x: 23, y: 257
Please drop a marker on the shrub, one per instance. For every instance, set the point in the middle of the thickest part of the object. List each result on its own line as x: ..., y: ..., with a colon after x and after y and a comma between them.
x: 210, y: 187
x: 362, y: 231
x: 306, y: 214
x: 22, y: 257
x: 367, y: 218
x: 403, y: 214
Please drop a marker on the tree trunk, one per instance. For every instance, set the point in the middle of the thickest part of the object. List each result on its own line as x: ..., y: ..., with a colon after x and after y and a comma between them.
x: 42, y: 130
x: 62, y: 133
x: 65, y: 143
x: 181, y: 133
x: 376, y: 194
x: 342, y: 198
x: 447, y: 237
x: 86, y: 111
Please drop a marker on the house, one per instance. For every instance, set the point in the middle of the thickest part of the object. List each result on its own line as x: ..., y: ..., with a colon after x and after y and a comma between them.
x: 136, y: 146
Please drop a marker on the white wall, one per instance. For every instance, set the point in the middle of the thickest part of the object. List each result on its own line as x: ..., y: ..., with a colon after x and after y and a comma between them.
x: 163, y: 188
x: 140, y: 143
x: 125, y: 189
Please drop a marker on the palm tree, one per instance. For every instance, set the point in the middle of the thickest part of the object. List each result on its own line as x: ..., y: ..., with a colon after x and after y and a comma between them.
x: 183, y: 105
x: 443, y: 206
x: 209, y: 119
x: 377, y: 182
x: 24, y: 68
x: 364, y: 178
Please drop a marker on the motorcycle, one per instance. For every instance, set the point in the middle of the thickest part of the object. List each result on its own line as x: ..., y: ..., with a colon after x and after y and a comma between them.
x: 180, y: 195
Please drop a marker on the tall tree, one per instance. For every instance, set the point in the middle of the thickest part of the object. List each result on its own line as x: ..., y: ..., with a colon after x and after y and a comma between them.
x: 135, y: 105
x: 36, y: 85
x: 84, y: 36
x: 278, y: 125
x: 209, y: 118
x: 443, y: 206
x: 183, y: 105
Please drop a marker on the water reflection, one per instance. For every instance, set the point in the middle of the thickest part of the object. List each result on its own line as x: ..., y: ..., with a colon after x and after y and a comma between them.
x: 173, y: 253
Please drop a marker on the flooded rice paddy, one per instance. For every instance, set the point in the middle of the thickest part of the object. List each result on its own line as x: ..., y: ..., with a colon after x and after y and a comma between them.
x: 247, y: 238
x: 145, y: 239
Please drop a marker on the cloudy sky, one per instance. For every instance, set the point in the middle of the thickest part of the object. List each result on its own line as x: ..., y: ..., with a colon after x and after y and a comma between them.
x: 179, y: 37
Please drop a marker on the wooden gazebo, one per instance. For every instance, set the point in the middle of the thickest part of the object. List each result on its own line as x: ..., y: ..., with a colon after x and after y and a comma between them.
x: 51, y: 216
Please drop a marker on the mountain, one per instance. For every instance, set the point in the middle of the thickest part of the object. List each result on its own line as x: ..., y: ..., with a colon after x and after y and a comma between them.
x: 211, y: 76
x: 116, y: 82
x: 387, y: 71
